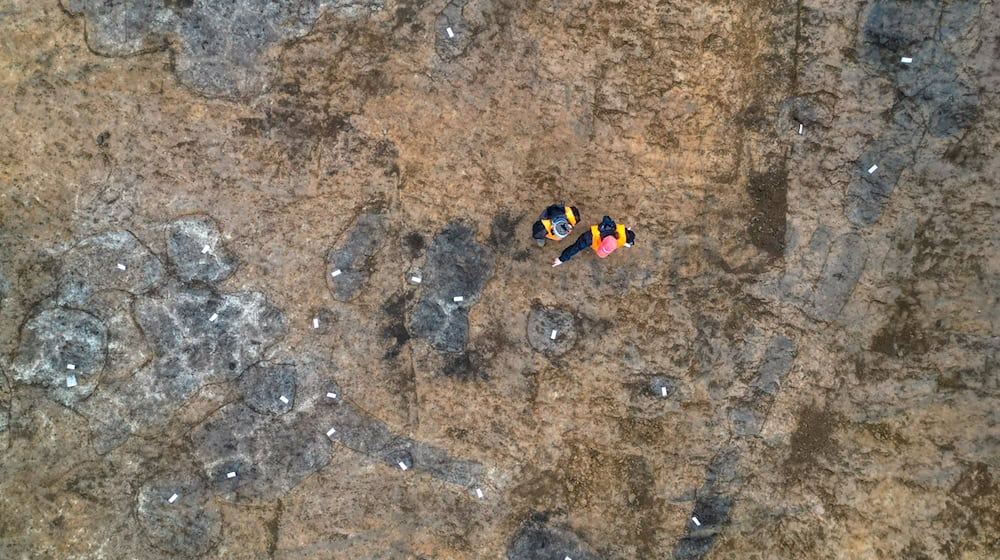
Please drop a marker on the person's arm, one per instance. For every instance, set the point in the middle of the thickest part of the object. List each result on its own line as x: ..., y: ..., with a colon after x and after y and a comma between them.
x: 538, y: 230
x: 581, y: 243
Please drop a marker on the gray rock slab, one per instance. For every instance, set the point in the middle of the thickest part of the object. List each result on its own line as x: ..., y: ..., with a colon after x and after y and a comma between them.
x: 777, y: 362
x: 841, y: 273
x: 219, y: 46
x: 354, y: 256
x: 58, y: 343
x: 94, y: 265
x: 187, y: 241
x: 542, y: 321
x: 263, y: 385
x: 180, y: 321
x: 869, y: 193
x: 190, y: 526
x: 537, y: 539
x: 456, y: 266
x: 270, y: 455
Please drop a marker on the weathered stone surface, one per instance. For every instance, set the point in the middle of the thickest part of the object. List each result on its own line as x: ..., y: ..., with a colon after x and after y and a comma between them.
x: 467, y: 20
x: 263, y: 385
x: 187, y: 240
x: 178, y: 321
x: 219, y: 46
x: 56, y: 340
x: 354, y: 256
x: 456, y: 266
x: 777, y: 362
x: 190, y: 526
x: 536, y: 539
x: 542, y: 321
x: 843, y: 268
x: 93, y: 265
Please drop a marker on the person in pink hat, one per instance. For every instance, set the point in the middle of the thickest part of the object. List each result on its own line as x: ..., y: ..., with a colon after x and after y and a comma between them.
x: 604, y: 238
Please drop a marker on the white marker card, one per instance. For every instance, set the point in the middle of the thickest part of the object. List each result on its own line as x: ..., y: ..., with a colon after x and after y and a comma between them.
x: 906, y: 60
x: 213, y: 317
x: 415, y: 279
x: 71, y: 381
x: 663, y: 391
x: 336, y: 273
x: 479, y: 493
x: 70, y: 366
x: 283, y: 399
x: 330, y: 432
x: 231, y: 474
x: 173, y: 498
x: 205, y: 249
x: 457, y: 299
x: 553, y: 335
x: 872, y: 169
x: 451, y: 34
x: 800, y: 129
x: 331, y: 395
x: 315, y: 322
x: 402, y: 465
x: 121, y: 266
x: 696, y: 522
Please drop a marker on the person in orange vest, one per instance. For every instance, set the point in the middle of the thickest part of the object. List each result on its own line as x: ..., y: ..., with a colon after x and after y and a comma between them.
x: 603, y: 238
x: 555, y: 223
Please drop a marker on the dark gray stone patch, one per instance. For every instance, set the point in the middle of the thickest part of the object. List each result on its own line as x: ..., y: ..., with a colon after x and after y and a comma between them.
x: 269, y: 454
x: 841, y: 273
x: 869, y: 192
x: 365, y: 435
x: 218, y: 45
x: 55, y: 339
x: 467, y: 20
x: 456, y: 265
x: 663, y: 387
x: 179, y: 321
x: 187, y: 239
x: 190, y: 526
x: 146, y: 400
x: 354, y: 256
x: 712, y: 512
x: 745, y: 420
x: 542, y: 321
x: 537, y: 539
x: 777, y: 362
x: 262, y: 386
x: 93, y: 266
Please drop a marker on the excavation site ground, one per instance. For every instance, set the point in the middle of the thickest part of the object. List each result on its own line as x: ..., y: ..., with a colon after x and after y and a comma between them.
x: 268, y: 287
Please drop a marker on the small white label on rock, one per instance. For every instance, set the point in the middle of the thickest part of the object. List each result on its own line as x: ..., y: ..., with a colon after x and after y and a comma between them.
x: 336, y: 273
x: 567, y: 558
x: 872, y: 169
x: 479, y: 493
x: 696, y: 522
x: 315, y: 322
x: 402, y: 465
x: 553, y: 335
x: 457, y: 299
x: 331, y: 395
x: 231, y: 474
x: 283, y: 399
x: 173, y: 498
x: 800, y: 128
x: 663, y: 391
x: 71, y: 366
x: 205, y: 249
x: 121, y: 266
x: 330, y: 432
x: 71, y: 381
x: 415, y: 279
x: 213, y: 317
x: 906, y: 60
x: 451, y: 34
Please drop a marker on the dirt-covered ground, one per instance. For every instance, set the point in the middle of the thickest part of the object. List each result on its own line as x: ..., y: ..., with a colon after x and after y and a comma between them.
x: 233, y: 235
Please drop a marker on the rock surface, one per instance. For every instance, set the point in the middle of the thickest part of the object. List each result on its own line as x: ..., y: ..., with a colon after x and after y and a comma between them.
x: 826, y: 335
